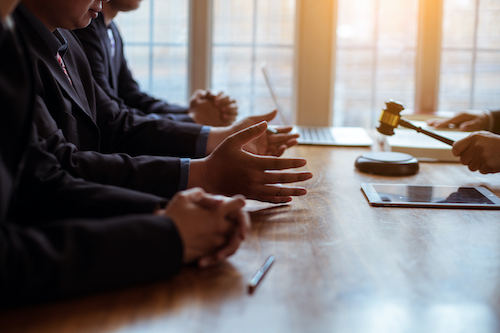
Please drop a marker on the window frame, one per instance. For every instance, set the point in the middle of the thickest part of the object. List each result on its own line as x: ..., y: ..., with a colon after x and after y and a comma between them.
x: 315, y: 58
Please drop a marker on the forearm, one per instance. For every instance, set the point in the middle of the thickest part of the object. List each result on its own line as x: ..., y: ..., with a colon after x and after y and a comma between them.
x: 53, y: 262
x: 137, y: 135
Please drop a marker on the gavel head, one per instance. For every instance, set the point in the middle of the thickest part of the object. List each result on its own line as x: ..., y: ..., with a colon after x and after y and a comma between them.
x: 389, y: 119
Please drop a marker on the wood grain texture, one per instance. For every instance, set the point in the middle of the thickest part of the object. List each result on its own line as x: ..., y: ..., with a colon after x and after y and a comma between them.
x: 341, y: 266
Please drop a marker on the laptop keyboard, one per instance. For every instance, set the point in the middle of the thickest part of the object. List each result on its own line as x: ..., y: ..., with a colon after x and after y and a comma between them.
x: 315, y: 134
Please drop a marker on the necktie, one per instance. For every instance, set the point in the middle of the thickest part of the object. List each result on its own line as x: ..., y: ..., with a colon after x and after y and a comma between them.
x: 112, y: 41
x: 63, y: 66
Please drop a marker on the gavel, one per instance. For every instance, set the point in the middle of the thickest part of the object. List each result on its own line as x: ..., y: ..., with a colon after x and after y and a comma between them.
x: 391, y: 118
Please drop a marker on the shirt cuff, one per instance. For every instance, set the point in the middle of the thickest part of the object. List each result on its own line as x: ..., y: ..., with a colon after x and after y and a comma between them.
x: 180, y: 117
x: 183, y: 183
x: 152, y: 116
x: 201, y: 142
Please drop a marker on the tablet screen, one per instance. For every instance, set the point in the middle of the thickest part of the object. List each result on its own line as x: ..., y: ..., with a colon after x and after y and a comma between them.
x: 430, y: 196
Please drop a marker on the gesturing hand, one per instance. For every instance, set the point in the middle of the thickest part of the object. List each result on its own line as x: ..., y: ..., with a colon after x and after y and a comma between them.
x: 268, y: 144
x: 272, y: 144
x: 479, y: 151
x: 230, y: 170
x: 211, y: 227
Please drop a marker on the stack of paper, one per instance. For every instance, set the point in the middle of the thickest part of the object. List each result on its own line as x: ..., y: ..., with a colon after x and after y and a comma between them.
x: 423, y: 147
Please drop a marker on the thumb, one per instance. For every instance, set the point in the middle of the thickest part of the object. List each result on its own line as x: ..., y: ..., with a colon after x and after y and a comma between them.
x: 248, y: 134
x: 265, y: 117
x: 460, y: 146
x: 469, y: 125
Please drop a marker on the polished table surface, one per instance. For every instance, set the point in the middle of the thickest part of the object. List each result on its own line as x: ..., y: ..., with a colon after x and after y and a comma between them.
x: 341, y: 266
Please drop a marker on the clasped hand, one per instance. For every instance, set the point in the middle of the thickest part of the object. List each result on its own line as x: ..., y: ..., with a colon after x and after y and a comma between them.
x: 211, y: 226
x: 215, y: 110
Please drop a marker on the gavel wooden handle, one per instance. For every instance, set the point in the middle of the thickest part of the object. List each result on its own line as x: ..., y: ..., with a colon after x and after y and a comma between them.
x: 409, y: 125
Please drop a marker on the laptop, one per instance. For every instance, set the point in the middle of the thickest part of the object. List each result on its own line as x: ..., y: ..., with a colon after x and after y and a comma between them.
x: 320, y: 135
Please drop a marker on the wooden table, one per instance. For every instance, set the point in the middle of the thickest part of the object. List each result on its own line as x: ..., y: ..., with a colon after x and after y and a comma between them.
x: 341, y: 266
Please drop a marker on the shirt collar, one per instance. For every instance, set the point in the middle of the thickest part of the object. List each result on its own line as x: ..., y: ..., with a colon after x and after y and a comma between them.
x: 55, y: 41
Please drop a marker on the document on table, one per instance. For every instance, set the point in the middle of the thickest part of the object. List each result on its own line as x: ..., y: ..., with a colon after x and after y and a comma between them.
x: 423, y: 147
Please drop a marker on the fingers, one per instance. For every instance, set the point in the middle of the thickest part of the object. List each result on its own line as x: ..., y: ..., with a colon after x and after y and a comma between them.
x: 273, y: 199
x: 279, y: 138
x: 230, y: 111
x: 275, y: 163
x: 461, y: 145
x: 439, y: 123
x: 474, y: 162
x: 248, y: 134
x: 282, y: 191
x: 284, y: 129
x: 464, y: 121
x: 223, y: 101
x: 229, y: 115
x: 232, y: 205
x: 445, y: 123
x: 272, y: 177
x: 200, y: 93
x: 277, y: 193
x: 194, y: 194
x: 470, y: 125
x: 265, y: 117
x: 241, y: 220
x: 479, y: 151
x: 210, y: 201
x: 224, y: 252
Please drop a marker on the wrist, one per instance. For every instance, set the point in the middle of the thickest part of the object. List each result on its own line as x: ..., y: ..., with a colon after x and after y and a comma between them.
x: 215, y: 137
x: 199, y: 176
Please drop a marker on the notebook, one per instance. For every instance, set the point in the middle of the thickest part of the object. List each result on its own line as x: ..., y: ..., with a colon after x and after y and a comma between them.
x: 320, y: 135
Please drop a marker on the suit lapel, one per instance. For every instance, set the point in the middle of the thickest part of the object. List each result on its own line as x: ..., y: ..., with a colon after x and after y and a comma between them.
x: 76, y: 91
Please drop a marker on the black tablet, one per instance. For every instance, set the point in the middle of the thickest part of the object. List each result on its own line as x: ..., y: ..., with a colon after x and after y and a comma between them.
x: 434, y: 196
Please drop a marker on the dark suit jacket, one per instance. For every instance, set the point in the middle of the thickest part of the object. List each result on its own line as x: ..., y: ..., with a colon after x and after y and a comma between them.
x: 45, y: 252
x: 94, y: 123
x: 113, y: 75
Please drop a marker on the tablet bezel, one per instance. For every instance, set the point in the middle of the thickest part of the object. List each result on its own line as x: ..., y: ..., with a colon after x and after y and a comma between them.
x: 374, y: 199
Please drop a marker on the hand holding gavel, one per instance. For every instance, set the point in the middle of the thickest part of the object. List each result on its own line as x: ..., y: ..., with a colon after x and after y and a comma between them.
x: 391, y: 118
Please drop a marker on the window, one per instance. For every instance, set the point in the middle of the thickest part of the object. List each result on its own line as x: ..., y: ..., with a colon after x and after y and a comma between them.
x: 246, y: 34
x: 376, y: 50
x: 376, y: 54
x: 156, y: 47
x: 470, y: 74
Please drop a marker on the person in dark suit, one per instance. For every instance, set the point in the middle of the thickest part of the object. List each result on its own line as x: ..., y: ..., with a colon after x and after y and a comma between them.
x: 72, y: 107
x: 63, y: 237
x: 104, y: 47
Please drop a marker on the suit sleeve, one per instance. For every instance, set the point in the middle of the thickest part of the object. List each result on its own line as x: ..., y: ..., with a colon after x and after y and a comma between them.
x: 126, y: 88
x: 64, y: 237
x: 46, y: 191
x: 122, y: 131
x: 69, y: 258
x: 158, y: 175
